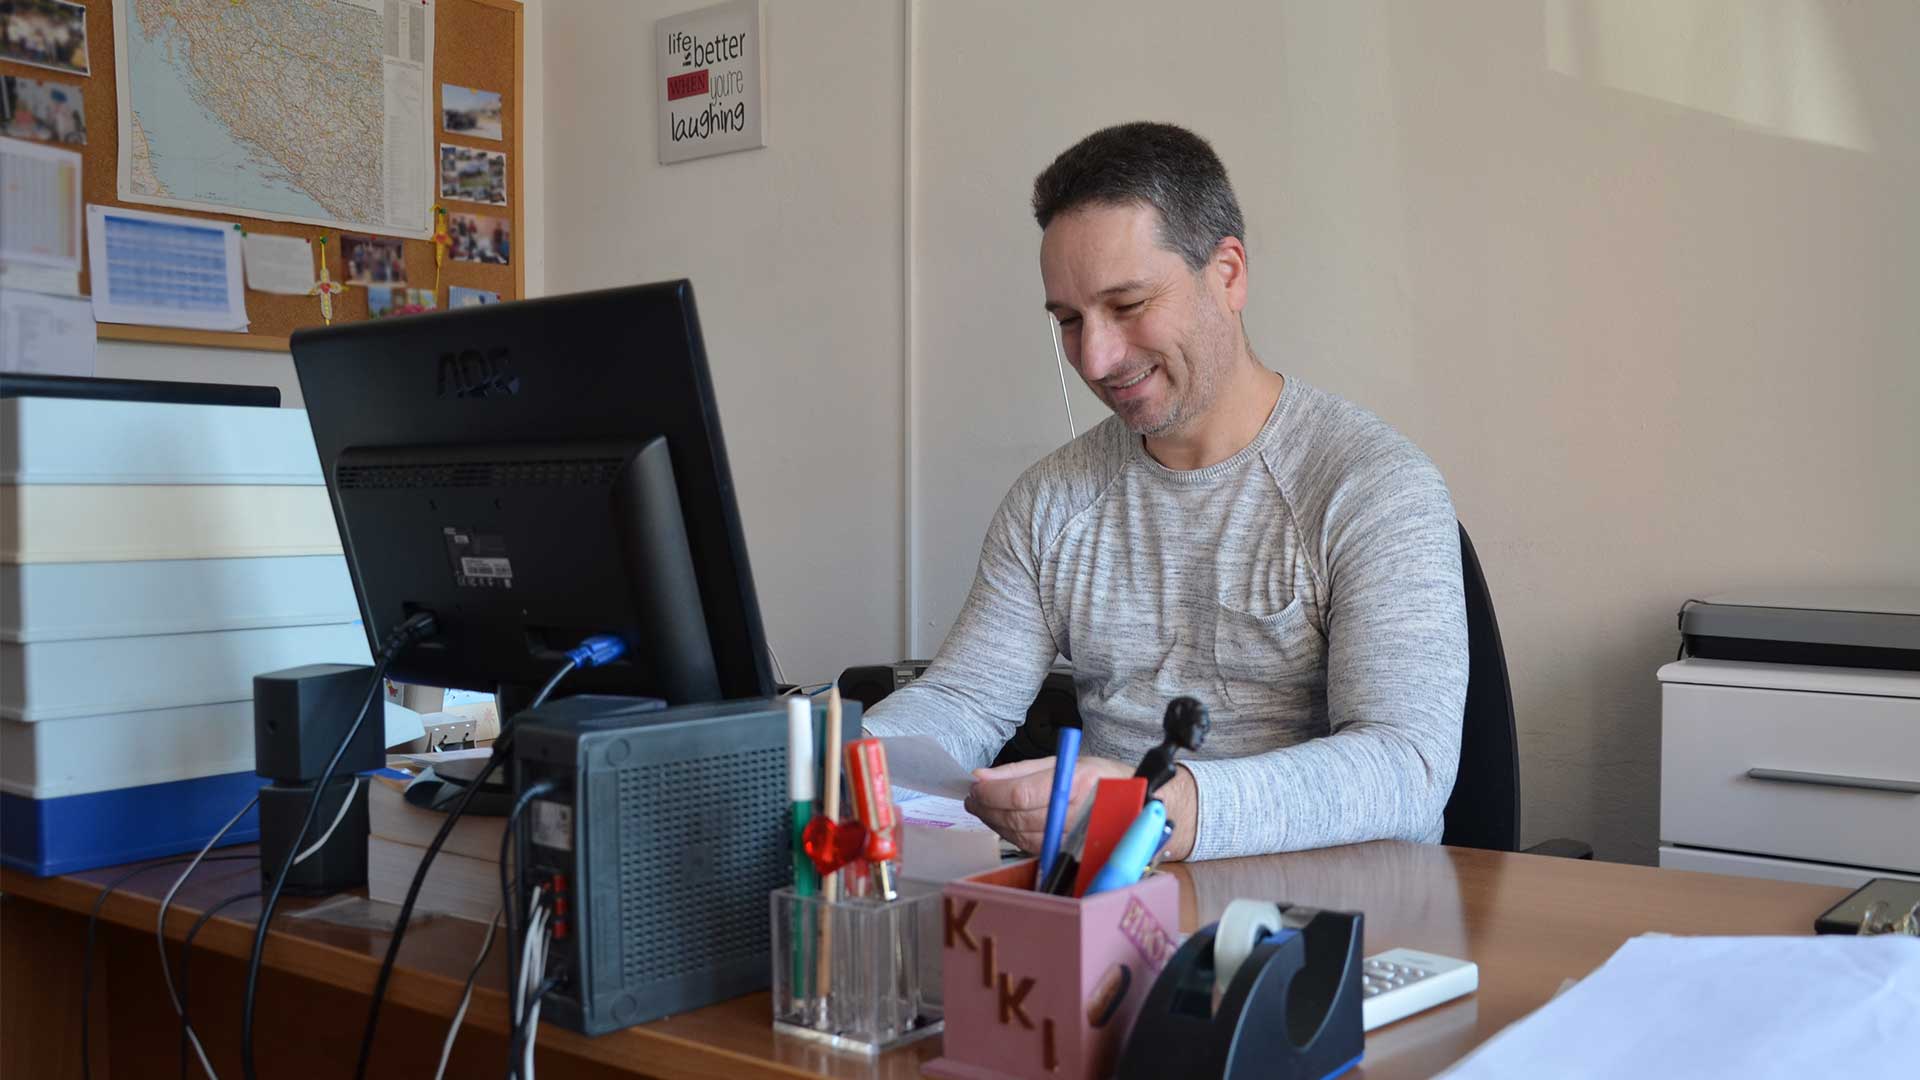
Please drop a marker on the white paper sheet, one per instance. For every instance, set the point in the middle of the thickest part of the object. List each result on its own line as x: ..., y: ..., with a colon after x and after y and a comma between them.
x: 278, y: 264
x: 52, y: 280
x: 1746, y: 1007
x: 403, y: 724
x: 919, y: 764
x: 46, y: 335
x: 936, y: 812
x: 39, y: 205
x: 164, y: 270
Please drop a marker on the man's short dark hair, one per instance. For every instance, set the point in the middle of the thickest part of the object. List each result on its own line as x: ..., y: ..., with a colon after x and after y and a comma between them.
x: 1160, y: 165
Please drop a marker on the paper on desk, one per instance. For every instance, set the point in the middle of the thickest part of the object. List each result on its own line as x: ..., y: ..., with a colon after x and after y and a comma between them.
x: 918, y: 763
x: 278, y: 264
x: 1747, y: 1007
x: 938, y: 812
x: 940, y: 841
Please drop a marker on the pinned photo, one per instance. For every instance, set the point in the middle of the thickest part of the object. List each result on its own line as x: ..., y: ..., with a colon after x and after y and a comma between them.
x: 466, y: 111
x: 473, y: 175
x: 30, y: 109
x: 459, y: 296
x: 479, y: 238
x: 373, y: 260
x: 45, y: 33
x: 386, y: 300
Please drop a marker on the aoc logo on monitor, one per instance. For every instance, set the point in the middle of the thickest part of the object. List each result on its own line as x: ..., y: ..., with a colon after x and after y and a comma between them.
x: 473, y: 374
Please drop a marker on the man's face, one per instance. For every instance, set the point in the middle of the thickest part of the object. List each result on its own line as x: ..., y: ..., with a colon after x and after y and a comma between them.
x: 1152, y: 338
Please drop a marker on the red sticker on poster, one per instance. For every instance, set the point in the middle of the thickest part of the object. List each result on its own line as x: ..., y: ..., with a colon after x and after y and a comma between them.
x: 688, y: 85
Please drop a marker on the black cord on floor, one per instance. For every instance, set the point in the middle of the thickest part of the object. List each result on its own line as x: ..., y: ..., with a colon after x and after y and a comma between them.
x: 93, y: 924
x: 186, y: 955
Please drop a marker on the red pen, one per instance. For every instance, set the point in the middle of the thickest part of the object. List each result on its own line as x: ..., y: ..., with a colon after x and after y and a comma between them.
x: 873, y: 805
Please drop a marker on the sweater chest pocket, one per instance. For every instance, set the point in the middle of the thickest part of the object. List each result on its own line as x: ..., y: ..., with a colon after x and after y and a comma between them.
x: 1259, y: 654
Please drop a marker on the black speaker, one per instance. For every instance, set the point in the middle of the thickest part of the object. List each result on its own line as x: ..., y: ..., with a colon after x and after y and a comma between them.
x: 299, y: 717
x: 341, y: 861
x: 1057, y: 702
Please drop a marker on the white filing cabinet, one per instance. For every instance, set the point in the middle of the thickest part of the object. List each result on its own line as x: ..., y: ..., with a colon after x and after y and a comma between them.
x: 1785, y: 771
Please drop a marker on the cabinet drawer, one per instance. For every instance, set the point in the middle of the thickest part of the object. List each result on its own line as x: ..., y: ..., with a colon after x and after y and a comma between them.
x: 1762, y: 866
x: 1813, y: 753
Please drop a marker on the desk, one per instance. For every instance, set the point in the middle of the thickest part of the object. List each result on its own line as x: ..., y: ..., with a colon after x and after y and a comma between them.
x: 1529, y: 921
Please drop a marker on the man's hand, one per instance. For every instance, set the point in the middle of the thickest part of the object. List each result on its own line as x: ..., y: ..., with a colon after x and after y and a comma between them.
x: 1012, y: 800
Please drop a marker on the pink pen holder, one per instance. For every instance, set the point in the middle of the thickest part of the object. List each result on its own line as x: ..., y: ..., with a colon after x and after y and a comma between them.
x: 1046, y: 986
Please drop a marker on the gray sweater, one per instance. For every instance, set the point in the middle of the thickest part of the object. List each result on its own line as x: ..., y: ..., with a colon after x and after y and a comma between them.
x: 1306, y: 589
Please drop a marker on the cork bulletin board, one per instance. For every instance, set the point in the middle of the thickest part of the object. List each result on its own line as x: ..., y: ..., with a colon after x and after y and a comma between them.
x: 476, y: 44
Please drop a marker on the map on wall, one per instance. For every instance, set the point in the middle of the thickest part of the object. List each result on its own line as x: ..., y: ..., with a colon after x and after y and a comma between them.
x: 313, y: 111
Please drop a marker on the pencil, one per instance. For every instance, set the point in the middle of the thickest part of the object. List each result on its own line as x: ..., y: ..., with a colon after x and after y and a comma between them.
x: 830, y: 809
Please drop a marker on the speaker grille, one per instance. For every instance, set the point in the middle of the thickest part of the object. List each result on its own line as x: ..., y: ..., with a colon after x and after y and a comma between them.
x: 576, y: 472
x: 701, y: 846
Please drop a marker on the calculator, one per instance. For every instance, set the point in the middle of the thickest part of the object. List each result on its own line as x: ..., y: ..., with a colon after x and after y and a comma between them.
x: 1400, y: 982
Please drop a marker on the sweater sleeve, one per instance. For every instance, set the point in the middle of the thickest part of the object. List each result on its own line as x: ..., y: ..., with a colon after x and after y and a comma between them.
x: 979, y: 685
x: 1396, y: 681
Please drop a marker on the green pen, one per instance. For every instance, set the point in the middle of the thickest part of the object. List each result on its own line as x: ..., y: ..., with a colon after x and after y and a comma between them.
x: 806, y: 880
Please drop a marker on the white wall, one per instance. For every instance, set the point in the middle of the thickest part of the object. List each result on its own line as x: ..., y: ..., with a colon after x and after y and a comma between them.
x: 796, y: 255
x: 187, y: 363
x: 1640, y: 277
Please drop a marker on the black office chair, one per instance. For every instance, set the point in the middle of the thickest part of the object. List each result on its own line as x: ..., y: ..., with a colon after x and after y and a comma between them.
x: 1484, y: 809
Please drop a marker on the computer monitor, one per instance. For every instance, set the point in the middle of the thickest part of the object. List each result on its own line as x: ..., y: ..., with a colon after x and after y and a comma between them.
x: 533, y: 473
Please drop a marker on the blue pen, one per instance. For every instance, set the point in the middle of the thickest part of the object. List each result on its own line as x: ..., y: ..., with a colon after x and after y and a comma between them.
x: 1134, y: 851
x: 1064, y: 756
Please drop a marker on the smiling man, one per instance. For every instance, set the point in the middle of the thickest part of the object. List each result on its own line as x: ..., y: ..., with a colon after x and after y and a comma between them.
x: 1228, y: 534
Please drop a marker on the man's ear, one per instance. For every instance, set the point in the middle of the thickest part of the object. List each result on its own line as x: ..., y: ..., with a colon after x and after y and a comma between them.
x: 1229, y: 269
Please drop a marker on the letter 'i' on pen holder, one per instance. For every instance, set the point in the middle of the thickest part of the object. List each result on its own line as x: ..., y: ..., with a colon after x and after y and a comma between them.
x: 1046, y: 986
x: 880, y: 985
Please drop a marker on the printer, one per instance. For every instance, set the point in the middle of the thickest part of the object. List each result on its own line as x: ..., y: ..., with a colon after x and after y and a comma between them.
x: 1790, y: 737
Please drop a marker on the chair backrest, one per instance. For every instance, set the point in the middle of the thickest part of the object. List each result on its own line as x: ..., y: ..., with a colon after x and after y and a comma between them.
x: 1484, y: 809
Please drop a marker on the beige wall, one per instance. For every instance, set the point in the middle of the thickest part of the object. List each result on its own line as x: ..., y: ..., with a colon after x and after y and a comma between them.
x: 795, y: 253
x: 1640, y: 277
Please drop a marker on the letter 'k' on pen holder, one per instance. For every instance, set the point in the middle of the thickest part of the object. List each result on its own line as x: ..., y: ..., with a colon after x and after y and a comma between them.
x: 1042, y: 986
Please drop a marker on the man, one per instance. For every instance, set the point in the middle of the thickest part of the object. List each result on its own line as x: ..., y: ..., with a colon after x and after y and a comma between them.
x: 1229, y: 534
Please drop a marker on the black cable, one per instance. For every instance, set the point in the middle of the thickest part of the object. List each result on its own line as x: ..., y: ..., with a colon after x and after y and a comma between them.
x: 186, y: 955
x: 408, y: 632
x: 93, y: 923
x: 509, y: 897
x: 502, y: 749
x: 522, y: 1031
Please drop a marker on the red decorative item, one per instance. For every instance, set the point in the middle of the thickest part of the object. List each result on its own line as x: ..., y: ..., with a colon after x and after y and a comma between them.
x: 832, y: 844
x: 873, y: 805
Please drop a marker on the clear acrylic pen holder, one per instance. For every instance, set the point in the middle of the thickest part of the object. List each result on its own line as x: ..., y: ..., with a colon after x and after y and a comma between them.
x: 858, y: 974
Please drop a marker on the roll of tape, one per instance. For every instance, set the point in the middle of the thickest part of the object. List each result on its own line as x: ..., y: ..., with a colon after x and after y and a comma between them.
x: 1241, y: 927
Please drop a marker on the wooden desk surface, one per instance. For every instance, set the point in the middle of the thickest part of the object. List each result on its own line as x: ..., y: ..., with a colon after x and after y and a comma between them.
x: 1530, y: 922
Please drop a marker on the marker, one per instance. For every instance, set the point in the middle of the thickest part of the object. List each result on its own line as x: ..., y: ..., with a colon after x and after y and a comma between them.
x: 1066, y: 753
x: 1133, y: 852
x: 873, y: 804
x: 806, y: 880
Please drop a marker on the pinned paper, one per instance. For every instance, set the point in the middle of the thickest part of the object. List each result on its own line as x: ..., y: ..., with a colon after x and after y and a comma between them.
x: 278, y: 264
x: 46, y: 335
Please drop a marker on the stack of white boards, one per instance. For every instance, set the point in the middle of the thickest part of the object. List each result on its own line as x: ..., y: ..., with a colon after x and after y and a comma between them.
x: 154, y: 558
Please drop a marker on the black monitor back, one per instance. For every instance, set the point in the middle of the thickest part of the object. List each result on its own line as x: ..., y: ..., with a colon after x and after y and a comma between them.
x: 534, y: 472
